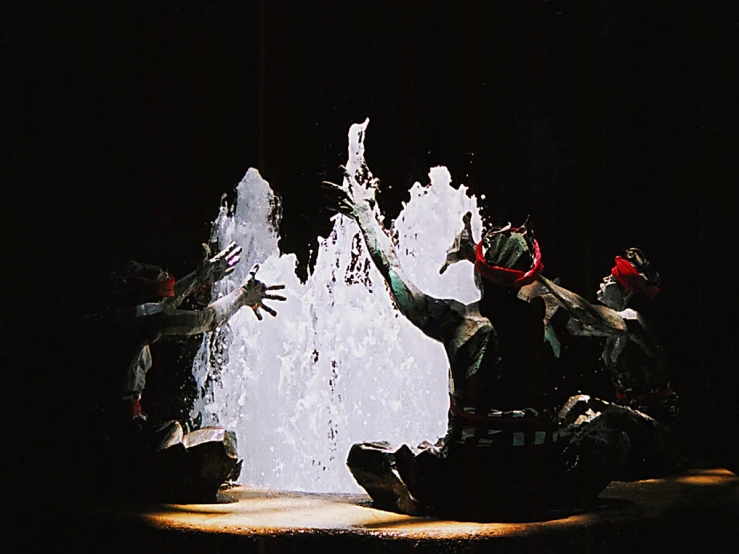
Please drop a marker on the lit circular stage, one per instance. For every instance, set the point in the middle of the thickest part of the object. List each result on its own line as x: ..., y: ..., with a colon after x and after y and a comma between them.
x: 697, y: 511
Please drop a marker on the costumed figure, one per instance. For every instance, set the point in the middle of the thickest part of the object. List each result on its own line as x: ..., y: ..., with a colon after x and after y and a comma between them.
x: 501, y: 453
x: 161, y: 461
x: 642, y: 403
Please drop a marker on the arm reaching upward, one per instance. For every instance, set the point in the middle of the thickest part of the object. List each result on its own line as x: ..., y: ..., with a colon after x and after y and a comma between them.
x: 210, y: 270
x: 166, y: 320
x: 425, y: 312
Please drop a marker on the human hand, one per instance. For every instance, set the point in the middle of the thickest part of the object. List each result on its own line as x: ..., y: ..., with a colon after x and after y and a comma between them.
x: 214, y: 269
x: 357, y: 192
x: 256, y: 291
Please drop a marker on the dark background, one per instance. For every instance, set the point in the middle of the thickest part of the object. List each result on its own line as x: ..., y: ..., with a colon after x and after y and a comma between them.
x: 611, y: 123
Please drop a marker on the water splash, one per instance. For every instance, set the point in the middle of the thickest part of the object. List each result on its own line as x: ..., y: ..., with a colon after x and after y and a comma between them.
x: 339, y: 364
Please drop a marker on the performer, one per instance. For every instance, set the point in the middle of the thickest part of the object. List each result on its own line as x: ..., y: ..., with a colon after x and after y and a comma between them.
x: 642, y: 402
x: 501, y: 452
x: 161, y: 461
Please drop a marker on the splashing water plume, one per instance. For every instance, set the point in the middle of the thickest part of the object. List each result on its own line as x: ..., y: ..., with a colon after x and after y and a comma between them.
x: 339, y: 364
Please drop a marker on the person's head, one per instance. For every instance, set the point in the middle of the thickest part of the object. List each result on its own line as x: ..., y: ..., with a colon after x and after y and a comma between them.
x: 136, y: 283
x: 629, y: 276
x: 508, y: 256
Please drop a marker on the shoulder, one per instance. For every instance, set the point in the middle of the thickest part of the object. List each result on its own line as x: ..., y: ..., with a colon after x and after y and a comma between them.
x: 454, y: 310
x: 473, y: 319
x: 634, y: 321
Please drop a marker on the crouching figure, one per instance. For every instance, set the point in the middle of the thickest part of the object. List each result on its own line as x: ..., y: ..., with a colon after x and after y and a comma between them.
x: 501, y: 453
x: 151, y: 461
x: 642, y: 402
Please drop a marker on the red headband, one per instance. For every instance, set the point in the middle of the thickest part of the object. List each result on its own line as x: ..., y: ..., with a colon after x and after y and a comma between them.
x: 160, y: 287
x: 633, y: 281
x: 508, y: 277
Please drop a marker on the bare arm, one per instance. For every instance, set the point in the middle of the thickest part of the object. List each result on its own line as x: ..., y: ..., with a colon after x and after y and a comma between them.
x: 210, y: 270
x: 183, y: 288
x: 425, y: 312
x: 421, y: 309
x: 170, y: 321
x: 585, y: 316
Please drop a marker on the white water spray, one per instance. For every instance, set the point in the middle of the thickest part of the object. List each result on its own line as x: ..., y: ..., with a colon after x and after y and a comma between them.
x: 339, y: 364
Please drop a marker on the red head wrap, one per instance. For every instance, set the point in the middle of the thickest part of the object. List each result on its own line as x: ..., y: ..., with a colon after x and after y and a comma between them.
x: 508, y: 277
x: 159, y: 287
x: 633, y: 281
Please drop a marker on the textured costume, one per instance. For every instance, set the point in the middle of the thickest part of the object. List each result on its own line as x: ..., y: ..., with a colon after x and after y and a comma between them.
x: 162, y: 461
x: 644, y: 405
x: 502, y: 453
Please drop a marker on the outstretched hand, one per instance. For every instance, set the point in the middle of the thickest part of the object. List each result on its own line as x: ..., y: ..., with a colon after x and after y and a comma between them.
x: 214, y: 269
x: 256, y: 291
x: 348, y: 198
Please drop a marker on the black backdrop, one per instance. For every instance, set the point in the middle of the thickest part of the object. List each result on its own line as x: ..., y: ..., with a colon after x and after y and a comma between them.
x: 611, y: 123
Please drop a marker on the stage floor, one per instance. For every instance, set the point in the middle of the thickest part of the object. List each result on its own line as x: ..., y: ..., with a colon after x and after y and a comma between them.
x: 697, y: 511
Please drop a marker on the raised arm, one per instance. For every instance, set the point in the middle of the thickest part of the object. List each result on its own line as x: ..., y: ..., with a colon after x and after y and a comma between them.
x: 165, y: 320
x: 210, y: 270
x: 425, y: 312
